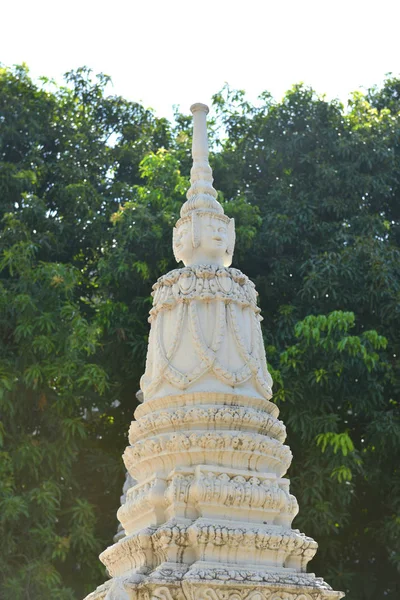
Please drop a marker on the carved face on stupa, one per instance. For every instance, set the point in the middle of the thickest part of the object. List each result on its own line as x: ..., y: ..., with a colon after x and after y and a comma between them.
x: 204, y: 238
x: 204, y: 235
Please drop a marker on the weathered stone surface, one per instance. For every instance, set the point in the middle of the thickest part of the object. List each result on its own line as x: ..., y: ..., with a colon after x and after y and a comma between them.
x: 207, y: 514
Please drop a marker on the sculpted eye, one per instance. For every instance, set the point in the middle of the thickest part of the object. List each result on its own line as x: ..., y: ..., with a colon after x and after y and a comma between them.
x: 222, y: 230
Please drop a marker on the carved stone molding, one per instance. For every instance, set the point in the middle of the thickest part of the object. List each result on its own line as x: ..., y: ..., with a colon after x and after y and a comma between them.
x: 246, y: 496
x: 207, y: 491
x: 226, y: 448
x: 203, y: 283
x: 205, y: 321
x: 215, y: 594
x: 205, y: 399
x: 209, y: 417
x: 165, y: 593
x: 123, y: 589
x: 232, y: 543
x: 144, y: 505
x: 235, y: 575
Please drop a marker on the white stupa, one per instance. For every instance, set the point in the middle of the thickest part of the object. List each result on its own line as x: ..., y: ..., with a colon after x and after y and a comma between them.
x: 209, y: 514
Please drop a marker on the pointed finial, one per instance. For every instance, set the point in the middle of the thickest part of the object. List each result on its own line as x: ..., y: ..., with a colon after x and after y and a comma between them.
x: 200, y: 138
x: 201, y: 194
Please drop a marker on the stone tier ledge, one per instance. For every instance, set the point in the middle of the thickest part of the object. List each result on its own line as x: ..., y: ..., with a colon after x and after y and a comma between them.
x: 206, y: 398
x: 211, y: 417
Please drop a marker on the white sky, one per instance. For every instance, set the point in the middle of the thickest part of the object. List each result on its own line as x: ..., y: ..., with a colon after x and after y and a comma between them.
x: 181, y: 51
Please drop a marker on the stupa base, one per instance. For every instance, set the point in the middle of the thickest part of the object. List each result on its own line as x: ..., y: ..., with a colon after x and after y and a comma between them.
x: 205, y: 581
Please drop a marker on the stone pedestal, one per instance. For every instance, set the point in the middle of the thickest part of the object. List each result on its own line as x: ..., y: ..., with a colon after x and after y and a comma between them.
x: 209, y: 514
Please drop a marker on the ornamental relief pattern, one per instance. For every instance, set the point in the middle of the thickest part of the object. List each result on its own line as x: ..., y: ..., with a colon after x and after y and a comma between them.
x: 204, y: 400
x: 240, y: 450
x: 178, y: 324
x: 203, y: 283
x: 233, y: 573
x: 148, y: 548
x: 216, y: 594
x: 214, y: 487
x: 223, y: 417
x: 165, y: 593
x: 143, y: 496
x: 263, y: 538
x: 210, y: 440
x: 178, y: 488
x: 240, y: 491
x: 211, y: 358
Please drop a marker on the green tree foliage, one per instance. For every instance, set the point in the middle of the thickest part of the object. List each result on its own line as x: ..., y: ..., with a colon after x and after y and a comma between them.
x: 90, y: 186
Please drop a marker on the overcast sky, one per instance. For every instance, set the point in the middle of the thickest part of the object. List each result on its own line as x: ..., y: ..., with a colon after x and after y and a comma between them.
x: 179, y: 52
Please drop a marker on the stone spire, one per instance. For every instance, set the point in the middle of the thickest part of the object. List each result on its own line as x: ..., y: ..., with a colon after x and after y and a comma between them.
x: 201, y: 194
x: 202, y: 212
x: 208, y: 514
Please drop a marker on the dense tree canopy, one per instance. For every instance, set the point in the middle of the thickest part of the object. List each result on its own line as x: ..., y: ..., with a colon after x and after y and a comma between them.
x: 90, y: 186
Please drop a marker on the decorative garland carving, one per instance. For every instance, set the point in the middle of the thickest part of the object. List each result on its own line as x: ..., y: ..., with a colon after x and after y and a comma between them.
x: 177, y: 297
x: 203, y: 283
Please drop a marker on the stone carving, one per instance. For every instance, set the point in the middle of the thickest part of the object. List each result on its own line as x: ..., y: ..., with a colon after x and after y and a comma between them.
x: 221, y: 417
x: 204, y: 283
x: 164, y: 593
x: 203, y: 235
x: 179, y: 488
x: 205, y: 326
x: 121, y: 589
x: 143, y: 505
x: 201, y: 400
x: 207, y: 513
x: 238, y: 594
x: 232, y: 574
x: 129, y: 482
x: 247, y: 496
x: 235, y: 449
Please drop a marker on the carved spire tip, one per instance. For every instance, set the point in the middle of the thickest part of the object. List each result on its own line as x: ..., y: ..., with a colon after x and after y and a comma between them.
x: 201, y: 195
x: 198, y: 106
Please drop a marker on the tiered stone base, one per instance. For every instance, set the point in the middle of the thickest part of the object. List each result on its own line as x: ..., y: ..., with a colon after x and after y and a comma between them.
x: 209, y: 514
x: 211, y: 582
